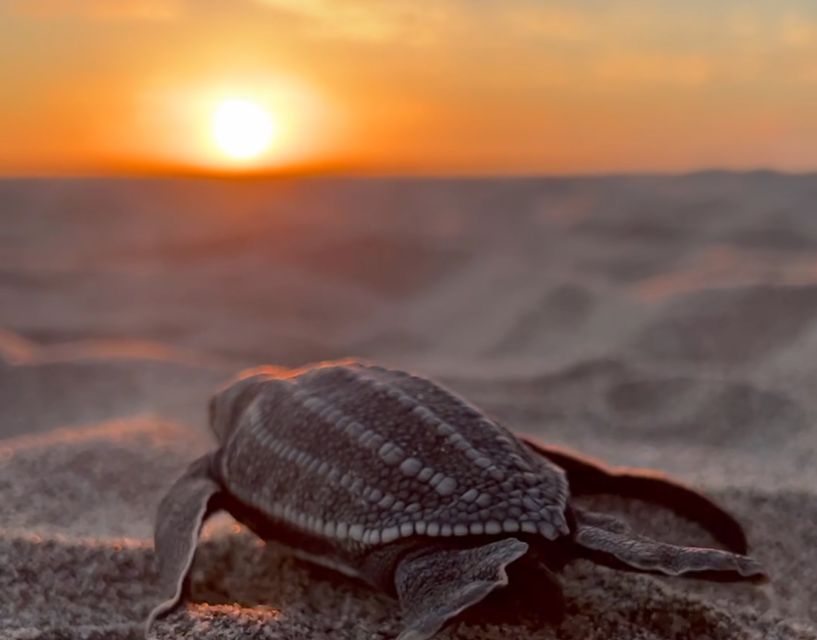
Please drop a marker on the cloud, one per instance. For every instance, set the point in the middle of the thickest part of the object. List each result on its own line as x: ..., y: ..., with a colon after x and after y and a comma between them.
x: 798, y: 31
x: 352, y: 19
x: 149, y: 10
x: 654, y: 69
x: 414, y: 21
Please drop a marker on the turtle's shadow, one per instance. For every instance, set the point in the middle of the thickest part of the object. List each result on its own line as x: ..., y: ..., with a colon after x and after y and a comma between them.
x: 241, y: 569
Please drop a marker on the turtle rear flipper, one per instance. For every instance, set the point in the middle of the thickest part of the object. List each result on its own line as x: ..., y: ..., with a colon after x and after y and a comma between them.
x: 178, y: 522
x: 437, y: 585
x: 609, y: 541
x: 587, y: 475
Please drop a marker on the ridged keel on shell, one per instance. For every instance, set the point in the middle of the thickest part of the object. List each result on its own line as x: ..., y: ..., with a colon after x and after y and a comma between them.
x: 365, y: 456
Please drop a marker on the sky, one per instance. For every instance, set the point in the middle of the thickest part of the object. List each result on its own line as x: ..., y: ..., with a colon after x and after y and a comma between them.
x: 410, y: 86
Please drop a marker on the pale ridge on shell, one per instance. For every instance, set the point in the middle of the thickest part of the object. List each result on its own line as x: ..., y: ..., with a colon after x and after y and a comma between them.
x: 347, y: 480
x: 390, y: 452
x: 423, y: 413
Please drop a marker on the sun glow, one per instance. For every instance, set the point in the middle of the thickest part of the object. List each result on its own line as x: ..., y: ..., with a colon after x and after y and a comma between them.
x: 242, y: 129
x: 248, y: 125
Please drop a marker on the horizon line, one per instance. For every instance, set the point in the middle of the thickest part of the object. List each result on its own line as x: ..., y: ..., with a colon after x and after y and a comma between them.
x: 299, y: 173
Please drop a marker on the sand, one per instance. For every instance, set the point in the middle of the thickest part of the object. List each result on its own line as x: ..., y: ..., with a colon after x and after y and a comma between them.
x: 668, y: 322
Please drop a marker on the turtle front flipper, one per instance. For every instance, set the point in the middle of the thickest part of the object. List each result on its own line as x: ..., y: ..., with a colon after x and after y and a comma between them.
x: 587, y: 475
x: 440, y: 583
x: 610, y: 541
x: 178, y: 522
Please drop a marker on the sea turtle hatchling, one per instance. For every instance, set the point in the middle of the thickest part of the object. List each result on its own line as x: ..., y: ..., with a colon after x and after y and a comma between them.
x: 393, y: 479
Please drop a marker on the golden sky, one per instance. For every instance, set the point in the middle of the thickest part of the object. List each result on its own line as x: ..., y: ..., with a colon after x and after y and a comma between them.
x: 411, y: 86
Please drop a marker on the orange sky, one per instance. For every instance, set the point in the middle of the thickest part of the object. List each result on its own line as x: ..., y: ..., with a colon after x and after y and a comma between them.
x: 411, y: 86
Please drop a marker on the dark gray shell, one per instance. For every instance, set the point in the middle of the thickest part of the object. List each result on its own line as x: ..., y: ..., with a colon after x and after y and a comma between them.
x: 361, y: 456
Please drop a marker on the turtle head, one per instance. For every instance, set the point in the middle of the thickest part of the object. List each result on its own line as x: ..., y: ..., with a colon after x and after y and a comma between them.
x: 229, y: 403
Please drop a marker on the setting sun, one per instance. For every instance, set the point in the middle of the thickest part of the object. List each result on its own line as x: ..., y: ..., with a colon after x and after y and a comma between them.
x: 242, y: 130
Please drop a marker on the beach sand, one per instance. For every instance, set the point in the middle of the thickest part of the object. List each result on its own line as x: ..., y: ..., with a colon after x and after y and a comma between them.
x: 667, y: 322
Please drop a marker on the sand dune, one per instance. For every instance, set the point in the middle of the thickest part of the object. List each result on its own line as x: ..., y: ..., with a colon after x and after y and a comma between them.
x: 666, y: 322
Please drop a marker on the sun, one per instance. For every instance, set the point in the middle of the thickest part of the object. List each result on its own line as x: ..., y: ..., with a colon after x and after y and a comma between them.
x: 242, y: 129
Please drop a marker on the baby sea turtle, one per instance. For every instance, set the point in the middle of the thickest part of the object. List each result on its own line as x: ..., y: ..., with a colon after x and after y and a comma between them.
x: 393, y: 479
